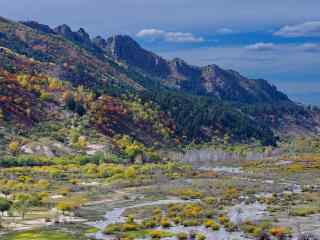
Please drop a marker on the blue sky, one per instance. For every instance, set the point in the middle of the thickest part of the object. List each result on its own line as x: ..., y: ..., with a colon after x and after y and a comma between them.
x: 275, y: 40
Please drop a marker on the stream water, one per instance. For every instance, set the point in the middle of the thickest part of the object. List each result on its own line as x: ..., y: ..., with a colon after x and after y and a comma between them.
x: 224, y: 169
x: 247, y: 212
x: 116, y: 215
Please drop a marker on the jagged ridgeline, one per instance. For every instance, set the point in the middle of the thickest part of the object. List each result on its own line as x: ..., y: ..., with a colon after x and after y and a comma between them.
x: 56, y: 79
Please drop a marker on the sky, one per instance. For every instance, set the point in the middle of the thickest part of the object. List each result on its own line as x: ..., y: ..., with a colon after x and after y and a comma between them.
x: 275, y: 40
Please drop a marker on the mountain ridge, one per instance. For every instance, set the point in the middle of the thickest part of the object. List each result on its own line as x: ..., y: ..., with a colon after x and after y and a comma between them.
x: 209, y: 80
x: 170, y: 100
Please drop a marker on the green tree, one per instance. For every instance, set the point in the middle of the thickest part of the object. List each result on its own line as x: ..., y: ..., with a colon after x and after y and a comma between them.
x: 4, y: 205
x: 22, y: 204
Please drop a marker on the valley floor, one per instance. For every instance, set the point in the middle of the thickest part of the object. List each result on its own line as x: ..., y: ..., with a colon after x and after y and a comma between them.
x: 229, y: 200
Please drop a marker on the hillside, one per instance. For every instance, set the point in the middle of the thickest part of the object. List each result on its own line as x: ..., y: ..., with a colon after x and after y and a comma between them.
x: 55, y: 82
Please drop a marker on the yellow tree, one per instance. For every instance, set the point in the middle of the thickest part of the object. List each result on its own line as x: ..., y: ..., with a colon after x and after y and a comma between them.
x: 1, y: 115
x: 14, y: 147
x: 82, y: 142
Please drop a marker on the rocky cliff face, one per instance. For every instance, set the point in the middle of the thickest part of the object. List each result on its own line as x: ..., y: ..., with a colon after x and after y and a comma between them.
x: 100, y: 42
x: 80, y: 36
x: 124, y: 48
x: 231, y: 86
x: 206, y: 81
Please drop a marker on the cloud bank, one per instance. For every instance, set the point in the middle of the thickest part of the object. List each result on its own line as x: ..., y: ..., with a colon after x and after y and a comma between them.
x: 261, y: 47
x: 225, y: 31
x: 178, y: 37
x: 307, y: 29
x: 268, y: 47
x: 310, y: 47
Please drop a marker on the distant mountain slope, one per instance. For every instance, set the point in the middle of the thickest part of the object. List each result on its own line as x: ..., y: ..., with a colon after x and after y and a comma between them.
x: 206, y: 81
x: 134, y: 92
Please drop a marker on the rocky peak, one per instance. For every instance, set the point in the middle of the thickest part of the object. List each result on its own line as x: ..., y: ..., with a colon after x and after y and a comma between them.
x: 178, y: 62
x: 100, y: 42
x: 212, y: 68
x: 120, y: 46
x: 124, y: 48
x: 179, y: 66
x: 80, y: 37
x: 231, y: 85
x: 64, y: 30
x: 83, y: 35
x: 40, y: 27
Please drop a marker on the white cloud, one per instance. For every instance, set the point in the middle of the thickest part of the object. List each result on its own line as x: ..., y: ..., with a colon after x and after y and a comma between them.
x: 307, y: 29
x: 179, y: 37
x: 182, y: 37
x: 310, y: 47
x: 225, y: 31
x: 261, y: 47
x: 290, y: 48
x: 150, y: 33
